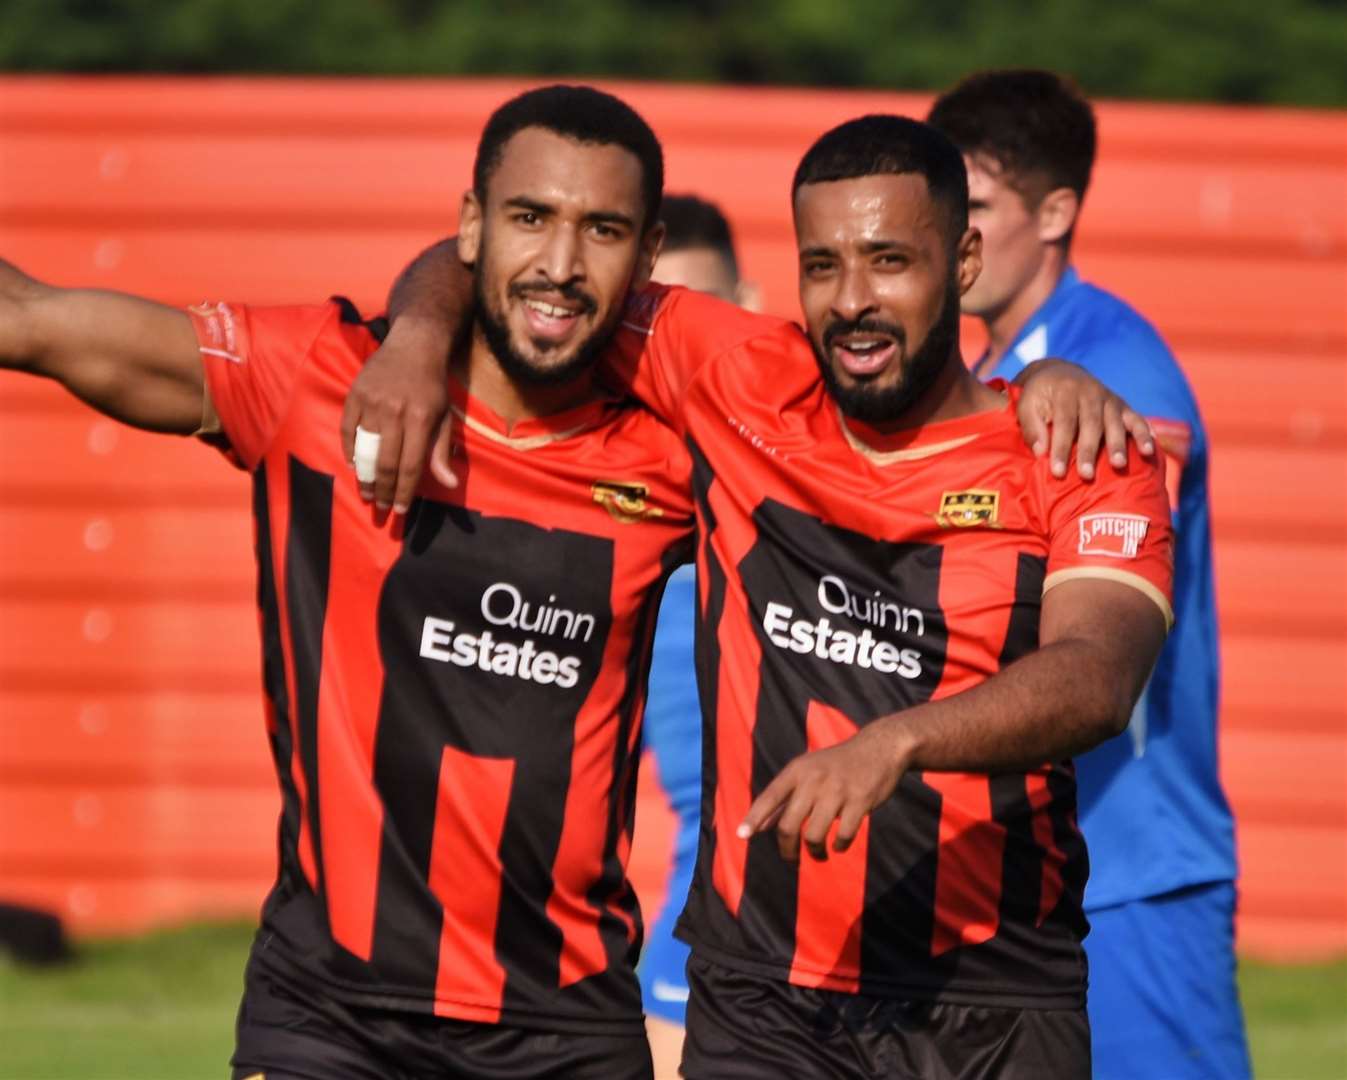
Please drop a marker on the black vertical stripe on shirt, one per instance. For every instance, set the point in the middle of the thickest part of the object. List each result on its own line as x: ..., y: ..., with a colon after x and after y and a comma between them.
x: 1022, y: 859
x: 706, y: 652
x: 290, y: 876
x: 308, y: 559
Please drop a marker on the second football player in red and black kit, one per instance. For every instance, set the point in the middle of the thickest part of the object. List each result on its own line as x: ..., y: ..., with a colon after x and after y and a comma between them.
x: 906, y: 627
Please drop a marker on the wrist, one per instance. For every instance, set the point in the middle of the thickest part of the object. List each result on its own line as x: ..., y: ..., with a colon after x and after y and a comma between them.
x: 894, y: 739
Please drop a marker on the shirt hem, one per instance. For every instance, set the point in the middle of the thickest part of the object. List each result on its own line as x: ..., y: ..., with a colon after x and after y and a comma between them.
x: 1001, y: 997
x: 395, y: 1000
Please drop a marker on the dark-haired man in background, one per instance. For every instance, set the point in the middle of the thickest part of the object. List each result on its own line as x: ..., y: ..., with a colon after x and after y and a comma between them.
x: 1161, y: 897
x: 906, y: 627
x: 454, y: 696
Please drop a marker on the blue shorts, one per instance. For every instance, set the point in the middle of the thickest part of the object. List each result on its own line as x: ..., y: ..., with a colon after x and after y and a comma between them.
x: 1163, y: 1001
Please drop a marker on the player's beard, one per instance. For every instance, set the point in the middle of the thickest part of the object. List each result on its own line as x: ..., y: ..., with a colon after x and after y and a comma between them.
x: 491, y: 318
x: 872, y: 404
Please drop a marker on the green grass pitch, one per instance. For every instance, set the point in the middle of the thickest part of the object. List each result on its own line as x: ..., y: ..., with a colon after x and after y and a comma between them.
x: 161, y: 1007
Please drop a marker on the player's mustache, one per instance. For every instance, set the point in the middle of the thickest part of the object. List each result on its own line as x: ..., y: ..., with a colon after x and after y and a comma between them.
x: 569, y: 291
x: 867, y: 325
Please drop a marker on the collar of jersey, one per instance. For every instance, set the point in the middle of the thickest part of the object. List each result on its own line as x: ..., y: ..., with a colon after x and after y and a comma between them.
x: 914, y: 444
x: 531, y: 433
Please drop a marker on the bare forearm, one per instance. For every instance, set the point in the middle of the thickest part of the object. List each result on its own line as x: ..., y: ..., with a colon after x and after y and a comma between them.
x: 432, y: 297
x: 1058, y: 701
x: 131, y: 359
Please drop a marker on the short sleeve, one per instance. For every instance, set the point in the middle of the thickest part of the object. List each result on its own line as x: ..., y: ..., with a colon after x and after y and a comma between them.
x: 1134, y: 362
x: 1116, y: 528
x: 251, y: 356
x: 666, y: 335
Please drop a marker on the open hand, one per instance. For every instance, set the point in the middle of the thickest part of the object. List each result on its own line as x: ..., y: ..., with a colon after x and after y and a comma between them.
x: 401, y: 395
x: 842, y: 783
x: 1064, y: 404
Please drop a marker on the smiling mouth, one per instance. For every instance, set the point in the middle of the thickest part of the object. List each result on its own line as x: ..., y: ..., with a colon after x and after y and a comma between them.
x: 550, y: 321
x: 863, y: 355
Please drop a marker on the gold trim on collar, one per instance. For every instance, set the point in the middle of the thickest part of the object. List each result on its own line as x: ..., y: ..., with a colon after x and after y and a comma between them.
x: 892, y: 457
x: 523, y: 442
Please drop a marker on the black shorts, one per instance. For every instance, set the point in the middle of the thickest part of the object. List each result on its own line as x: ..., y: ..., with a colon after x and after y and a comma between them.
x: 746, y: 1027
x: 286, y: 1034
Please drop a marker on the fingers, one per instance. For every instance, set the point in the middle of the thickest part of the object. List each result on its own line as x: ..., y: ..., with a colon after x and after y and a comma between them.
x: 386, y: 466
x: 350, y: 417
x: 1115, y: 432
x: 1034, y: 428
x: 1140, y: 430
x: 820, y: 819
x: 403, y: 440
x: 791, y: 822
x: 441, y: 451
x: 1088, y: 437
x: 1065, y: 421
x: 767, y: 807
x: 848, y: 825
x: 407, y: 473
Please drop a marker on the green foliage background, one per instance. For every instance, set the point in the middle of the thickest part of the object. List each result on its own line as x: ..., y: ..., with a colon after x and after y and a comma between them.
x: 1289, y: 52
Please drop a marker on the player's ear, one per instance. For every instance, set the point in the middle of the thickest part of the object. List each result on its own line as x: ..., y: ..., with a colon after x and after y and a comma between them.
x: 1057, y: 215
x: 968, y: 258
x: 651, y: 242
x: 469, y: 227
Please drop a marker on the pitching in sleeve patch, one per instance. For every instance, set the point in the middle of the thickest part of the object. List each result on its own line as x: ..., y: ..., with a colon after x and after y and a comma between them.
x: 1117, y: 536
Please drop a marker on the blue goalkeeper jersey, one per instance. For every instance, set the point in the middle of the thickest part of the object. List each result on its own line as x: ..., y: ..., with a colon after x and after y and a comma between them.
x: 1152, y: 808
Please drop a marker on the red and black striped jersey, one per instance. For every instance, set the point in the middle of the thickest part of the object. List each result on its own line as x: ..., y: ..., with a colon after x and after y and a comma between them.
x: 845, y: 575
x: 454, y: 701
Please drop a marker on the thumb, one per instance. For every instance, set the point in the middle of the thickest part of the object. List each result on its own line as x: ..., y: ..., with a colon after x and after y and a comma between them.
x: 440, y: 465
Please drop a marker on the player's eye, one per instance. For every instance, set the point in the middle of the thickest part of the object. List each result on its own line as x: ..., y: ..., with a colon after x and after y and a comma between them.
x: 817, y: 267
x: 527, y: 218
x: 605, y: 231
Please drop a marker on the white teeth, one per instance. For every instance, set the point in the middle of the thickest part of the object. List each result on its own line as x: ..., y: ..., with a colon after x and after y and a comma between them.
x: 550, y: 310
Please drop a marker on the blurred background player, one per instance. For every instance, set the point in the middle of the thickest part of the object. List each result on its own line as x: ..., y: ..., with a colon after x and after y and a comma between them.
x: 698, y: 252
x: 1161, y: 895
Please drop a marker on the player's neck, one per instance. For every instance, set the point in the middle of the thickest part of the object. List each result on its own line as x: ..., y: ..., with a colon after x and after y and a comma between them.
x: 1004, y: 326
x: 485, y: 378
x: 954, y: 394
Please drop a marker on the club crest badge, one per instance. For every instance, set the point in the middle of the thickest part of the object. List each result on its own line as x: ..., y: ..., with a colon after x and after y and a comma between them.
x: 966, y: 509
x: 625, y: 501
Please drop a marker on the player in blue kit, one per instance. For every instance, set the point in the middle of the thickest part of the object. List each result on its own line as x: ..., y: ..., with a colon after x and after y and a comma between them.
x: 698, y: 252
x: 1163, y: 1000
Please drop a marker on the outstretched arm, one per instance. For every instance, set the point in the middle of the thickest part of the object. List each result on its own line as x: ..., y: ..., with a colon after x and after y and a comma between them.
x: 400, y: 393
x: 132, y: 359
x: 1100, y: 640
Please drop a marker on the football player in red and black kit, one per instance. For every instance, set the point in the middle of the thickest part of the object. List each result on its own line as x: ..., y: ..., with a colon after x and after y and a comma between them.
x: 907, y: 626
x: 453, y: 696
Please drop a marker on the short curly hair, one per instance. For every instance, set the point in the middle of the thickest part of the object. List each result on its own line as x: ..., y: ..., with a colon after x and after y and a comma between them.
x: 580, y: 113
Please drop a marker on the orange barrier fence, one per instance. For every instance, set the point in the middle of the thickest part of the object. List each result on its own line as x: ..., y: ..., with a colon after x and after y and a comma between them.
x: 135, y: 786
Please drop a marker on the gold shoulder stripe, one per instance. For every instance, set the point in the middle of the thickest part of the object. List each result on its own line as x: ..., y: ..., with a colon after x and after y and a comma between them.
x: 1122, y: 577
